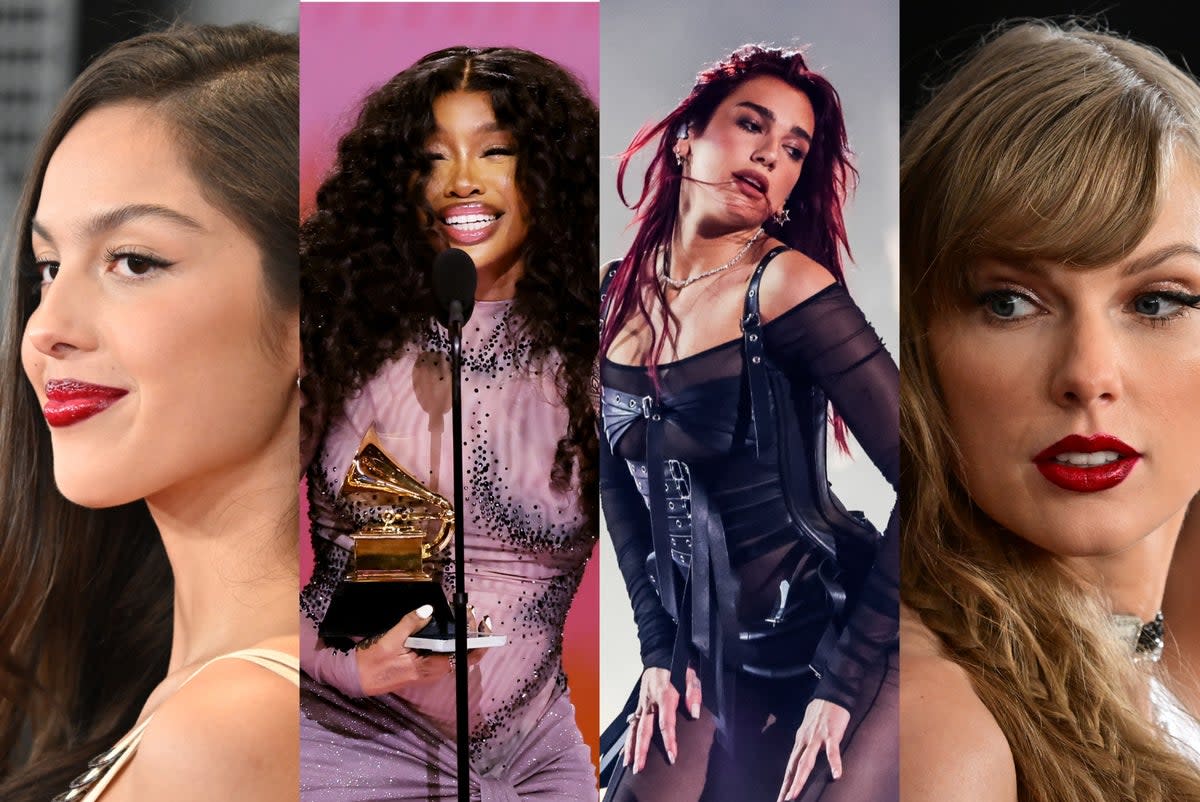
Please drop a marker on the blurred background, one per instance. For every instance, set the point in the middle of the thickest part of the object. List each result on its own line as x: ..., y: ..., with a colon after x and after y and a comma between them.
x: 44, y: 44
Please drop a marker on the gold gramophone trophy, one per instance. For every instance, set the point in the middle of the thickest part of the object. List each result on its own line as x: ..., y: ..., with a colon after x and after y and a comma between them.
x: 395, y: 563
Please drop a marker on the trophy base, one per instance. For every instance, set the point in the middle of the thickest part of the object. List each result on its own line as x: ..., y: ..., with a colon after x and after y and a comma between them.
x: 365, y: 609
x: 437, y: 637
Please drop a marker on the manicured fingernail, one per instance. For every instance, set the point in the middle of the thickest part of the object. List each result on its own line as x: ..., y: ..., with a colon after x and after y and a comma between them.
x: 424, y: 611
x: 695, y: 710
x: 837, y: 774
x: 671, y: 757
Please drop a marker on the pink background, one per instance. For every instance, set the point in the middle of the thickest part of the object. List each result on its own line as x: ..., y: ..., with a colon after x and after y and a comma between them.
x: 348, y: 50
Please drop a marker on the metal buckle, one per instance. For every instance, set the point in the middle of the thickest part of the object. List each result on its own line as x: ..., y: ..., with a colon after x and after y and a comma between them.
x: 647, y: 406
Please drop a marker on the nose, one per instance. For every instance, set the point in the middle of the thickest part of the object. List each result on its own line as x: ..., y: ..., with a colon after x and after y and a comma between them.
x: 1089, y: 370
x: 464, y: 180
x: 60, y: 324
x: 767, y: 153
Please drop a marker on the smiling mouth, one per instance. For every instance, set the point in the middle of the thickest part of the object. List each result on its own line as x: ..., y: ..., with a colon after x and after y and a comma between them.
x: 470, y: 222
x: 1087, y: 464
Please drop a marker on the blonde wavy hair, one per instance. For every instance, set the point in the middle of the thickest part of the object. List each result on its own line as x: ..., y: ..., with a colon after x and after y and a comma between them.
x: 1050, y: 142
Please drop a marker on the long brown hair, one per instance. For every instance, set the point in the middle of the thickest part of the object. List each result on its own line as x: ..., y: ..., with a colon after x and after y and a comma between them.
x: 86, y: 595
x: 1051, y: 143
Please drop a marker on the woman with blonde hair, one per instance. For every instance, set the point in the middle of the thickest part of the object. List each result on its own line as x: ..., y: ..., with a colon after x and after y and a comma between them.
x: 1050, y: 273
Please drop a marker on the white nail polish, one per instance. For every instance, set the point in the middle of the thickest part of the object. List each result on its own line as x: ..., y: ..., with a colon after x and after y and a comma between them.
x: 695, y: 711
x: 424, y: 611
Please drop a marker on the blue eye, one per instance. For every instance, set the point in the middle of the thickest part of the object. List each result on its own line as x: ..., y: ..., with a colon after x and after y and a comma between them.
x: 1163, y: 306
x: 1006, y: 305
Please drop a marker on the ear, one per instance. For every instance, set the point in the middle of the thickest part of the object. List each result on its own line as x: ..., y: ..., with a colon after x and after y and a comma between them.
x: 682, y: 149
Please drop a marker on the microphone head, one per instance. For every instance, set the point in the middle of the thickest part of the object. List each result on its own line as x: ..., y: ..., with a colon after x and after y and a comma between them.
x: 454, y: 280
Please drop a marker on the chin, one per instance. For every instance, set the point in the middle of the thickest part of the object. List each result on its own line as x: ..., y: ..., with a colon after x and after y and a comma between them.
x: 91, y: 488
x: 1083, y: 538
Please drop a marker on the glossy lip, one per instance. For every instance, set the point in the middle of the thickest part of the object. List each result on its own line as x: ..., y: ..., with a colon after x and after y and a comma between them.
x: 70, y: 401
x: 1090, y: 478
x: 749, y: 181
x: 458, y: 236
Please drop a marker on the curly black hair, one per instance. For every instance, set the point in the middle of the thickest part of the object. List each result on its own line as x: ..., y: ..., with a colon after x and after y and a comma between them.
x: 366, y: 251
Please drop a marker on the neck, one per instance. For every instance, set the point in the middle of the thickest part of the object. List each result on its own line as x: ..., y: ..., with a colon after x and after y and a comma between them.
x: 1133, y: 580
x: 1182, y: 598
x: 697, y: 246
x: 231, y: 538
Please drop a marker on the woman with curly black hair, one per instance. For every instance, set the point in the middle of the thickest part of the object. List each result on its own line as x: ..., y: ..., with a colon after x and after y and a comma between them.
x: 493, y: 151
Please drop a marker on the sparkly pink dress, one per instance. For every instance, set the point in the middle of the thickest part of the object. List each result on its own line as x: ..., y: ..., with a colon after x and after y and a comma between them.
x: 526, y: 548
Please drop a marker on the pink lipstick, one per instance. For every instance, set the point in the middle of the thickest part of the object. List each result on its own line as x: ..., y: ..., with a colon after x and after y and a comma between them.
x: 469, y: 223
x: 1087, y: 464
x: 752, y: 183
x: 70, y: 401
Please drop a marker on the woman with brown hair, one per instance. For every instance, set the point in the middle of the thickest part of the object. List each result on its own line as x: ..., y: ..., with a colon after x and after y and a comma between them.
x: 1050, y: 269
x: 148, y: 431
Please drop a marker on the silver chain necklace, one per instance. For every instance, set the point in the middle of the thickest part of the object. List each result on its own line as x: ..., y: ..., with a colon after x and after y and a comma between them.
x: 679, y: 284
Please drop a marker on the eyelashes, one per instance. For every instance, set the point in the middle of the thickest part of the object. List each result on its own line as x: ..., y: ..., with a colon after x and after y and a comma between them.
x: 127, y: 263
x: 753, y: 126
x: 1156, y: 308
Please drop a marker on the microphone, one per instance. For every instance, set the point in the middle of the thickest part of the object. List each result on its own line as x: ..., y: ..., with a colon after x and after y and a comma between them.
x: 454, y: 286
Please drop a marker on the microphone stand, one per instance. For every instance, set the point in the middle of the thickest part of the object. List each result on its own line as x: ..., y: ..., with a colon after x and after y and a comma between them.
x: 460, y: 588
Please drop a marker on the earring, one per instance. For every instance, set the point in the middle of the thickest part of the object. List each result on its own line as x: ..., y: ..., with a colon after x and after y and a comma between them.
x: 780, y: 217
x: 679, y: 160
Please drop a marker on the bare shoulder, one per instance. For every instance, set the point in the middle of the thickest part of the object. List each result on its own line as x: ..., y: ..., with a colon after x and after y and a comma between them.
x: 790, y: 279
x: 232, y: 732
x: 951, y: 746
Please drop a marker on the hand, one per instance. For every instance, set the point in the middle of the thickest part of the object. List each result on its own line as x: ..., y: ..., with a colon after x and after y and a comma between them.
x: 658, y: 695
x: 386, y: 665
x: 823, y: 727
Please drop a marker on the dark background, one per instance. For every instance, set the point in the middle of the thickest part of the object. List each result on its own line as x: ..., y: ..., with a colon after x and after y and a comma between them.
x: 932, y: 42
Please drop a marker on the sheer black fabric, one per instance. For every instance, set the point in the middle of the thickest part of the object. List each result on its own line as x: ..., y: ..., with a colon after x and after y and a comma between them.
x: 712, y: 467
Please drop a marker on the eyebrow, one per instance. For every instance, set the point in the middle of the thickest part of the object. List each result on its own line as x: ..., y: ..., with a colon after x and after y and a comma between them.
x: 1155, y: 258
x: 770, y: 115
x: 482, y: 128
x: 1139, y: 265
x: 115, y: 218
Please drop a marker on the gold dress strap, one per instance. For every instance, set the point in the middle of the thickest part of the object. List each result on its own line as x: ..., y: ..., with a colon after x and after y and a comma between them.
x: 104, y: 768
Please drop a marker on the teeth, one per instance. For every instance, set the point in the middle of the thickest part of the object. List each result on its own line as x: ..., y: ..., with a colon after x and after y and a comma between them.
x: 1085, y: 460
x: 470, y: 222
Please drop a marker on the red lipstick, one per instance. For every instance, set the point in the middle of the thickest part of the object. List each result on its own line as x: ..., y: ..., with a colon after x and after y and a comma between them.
x: 71, y: 401
x: 1087, y: 464
x: 469, y: 223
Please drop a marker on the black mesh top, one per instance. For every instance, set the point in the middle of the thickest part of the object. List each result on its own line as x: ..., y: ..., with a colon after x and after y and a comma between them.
x: 704, y: 404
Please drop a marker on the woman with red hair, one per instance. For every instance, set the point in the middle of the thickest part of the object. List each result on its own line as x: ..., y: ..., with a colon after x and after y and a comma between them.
x: 766, y: 613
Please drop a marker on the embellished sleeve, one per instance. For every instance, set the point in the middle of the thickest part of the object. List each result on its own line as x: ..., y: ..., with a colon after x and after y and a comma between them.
x: 826, y: 340
x: 628, y: 522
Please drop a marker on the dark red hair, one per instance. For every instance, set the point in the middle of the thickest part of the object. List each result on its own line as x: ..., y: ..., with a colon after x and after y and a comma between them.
x: 815, y: 227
